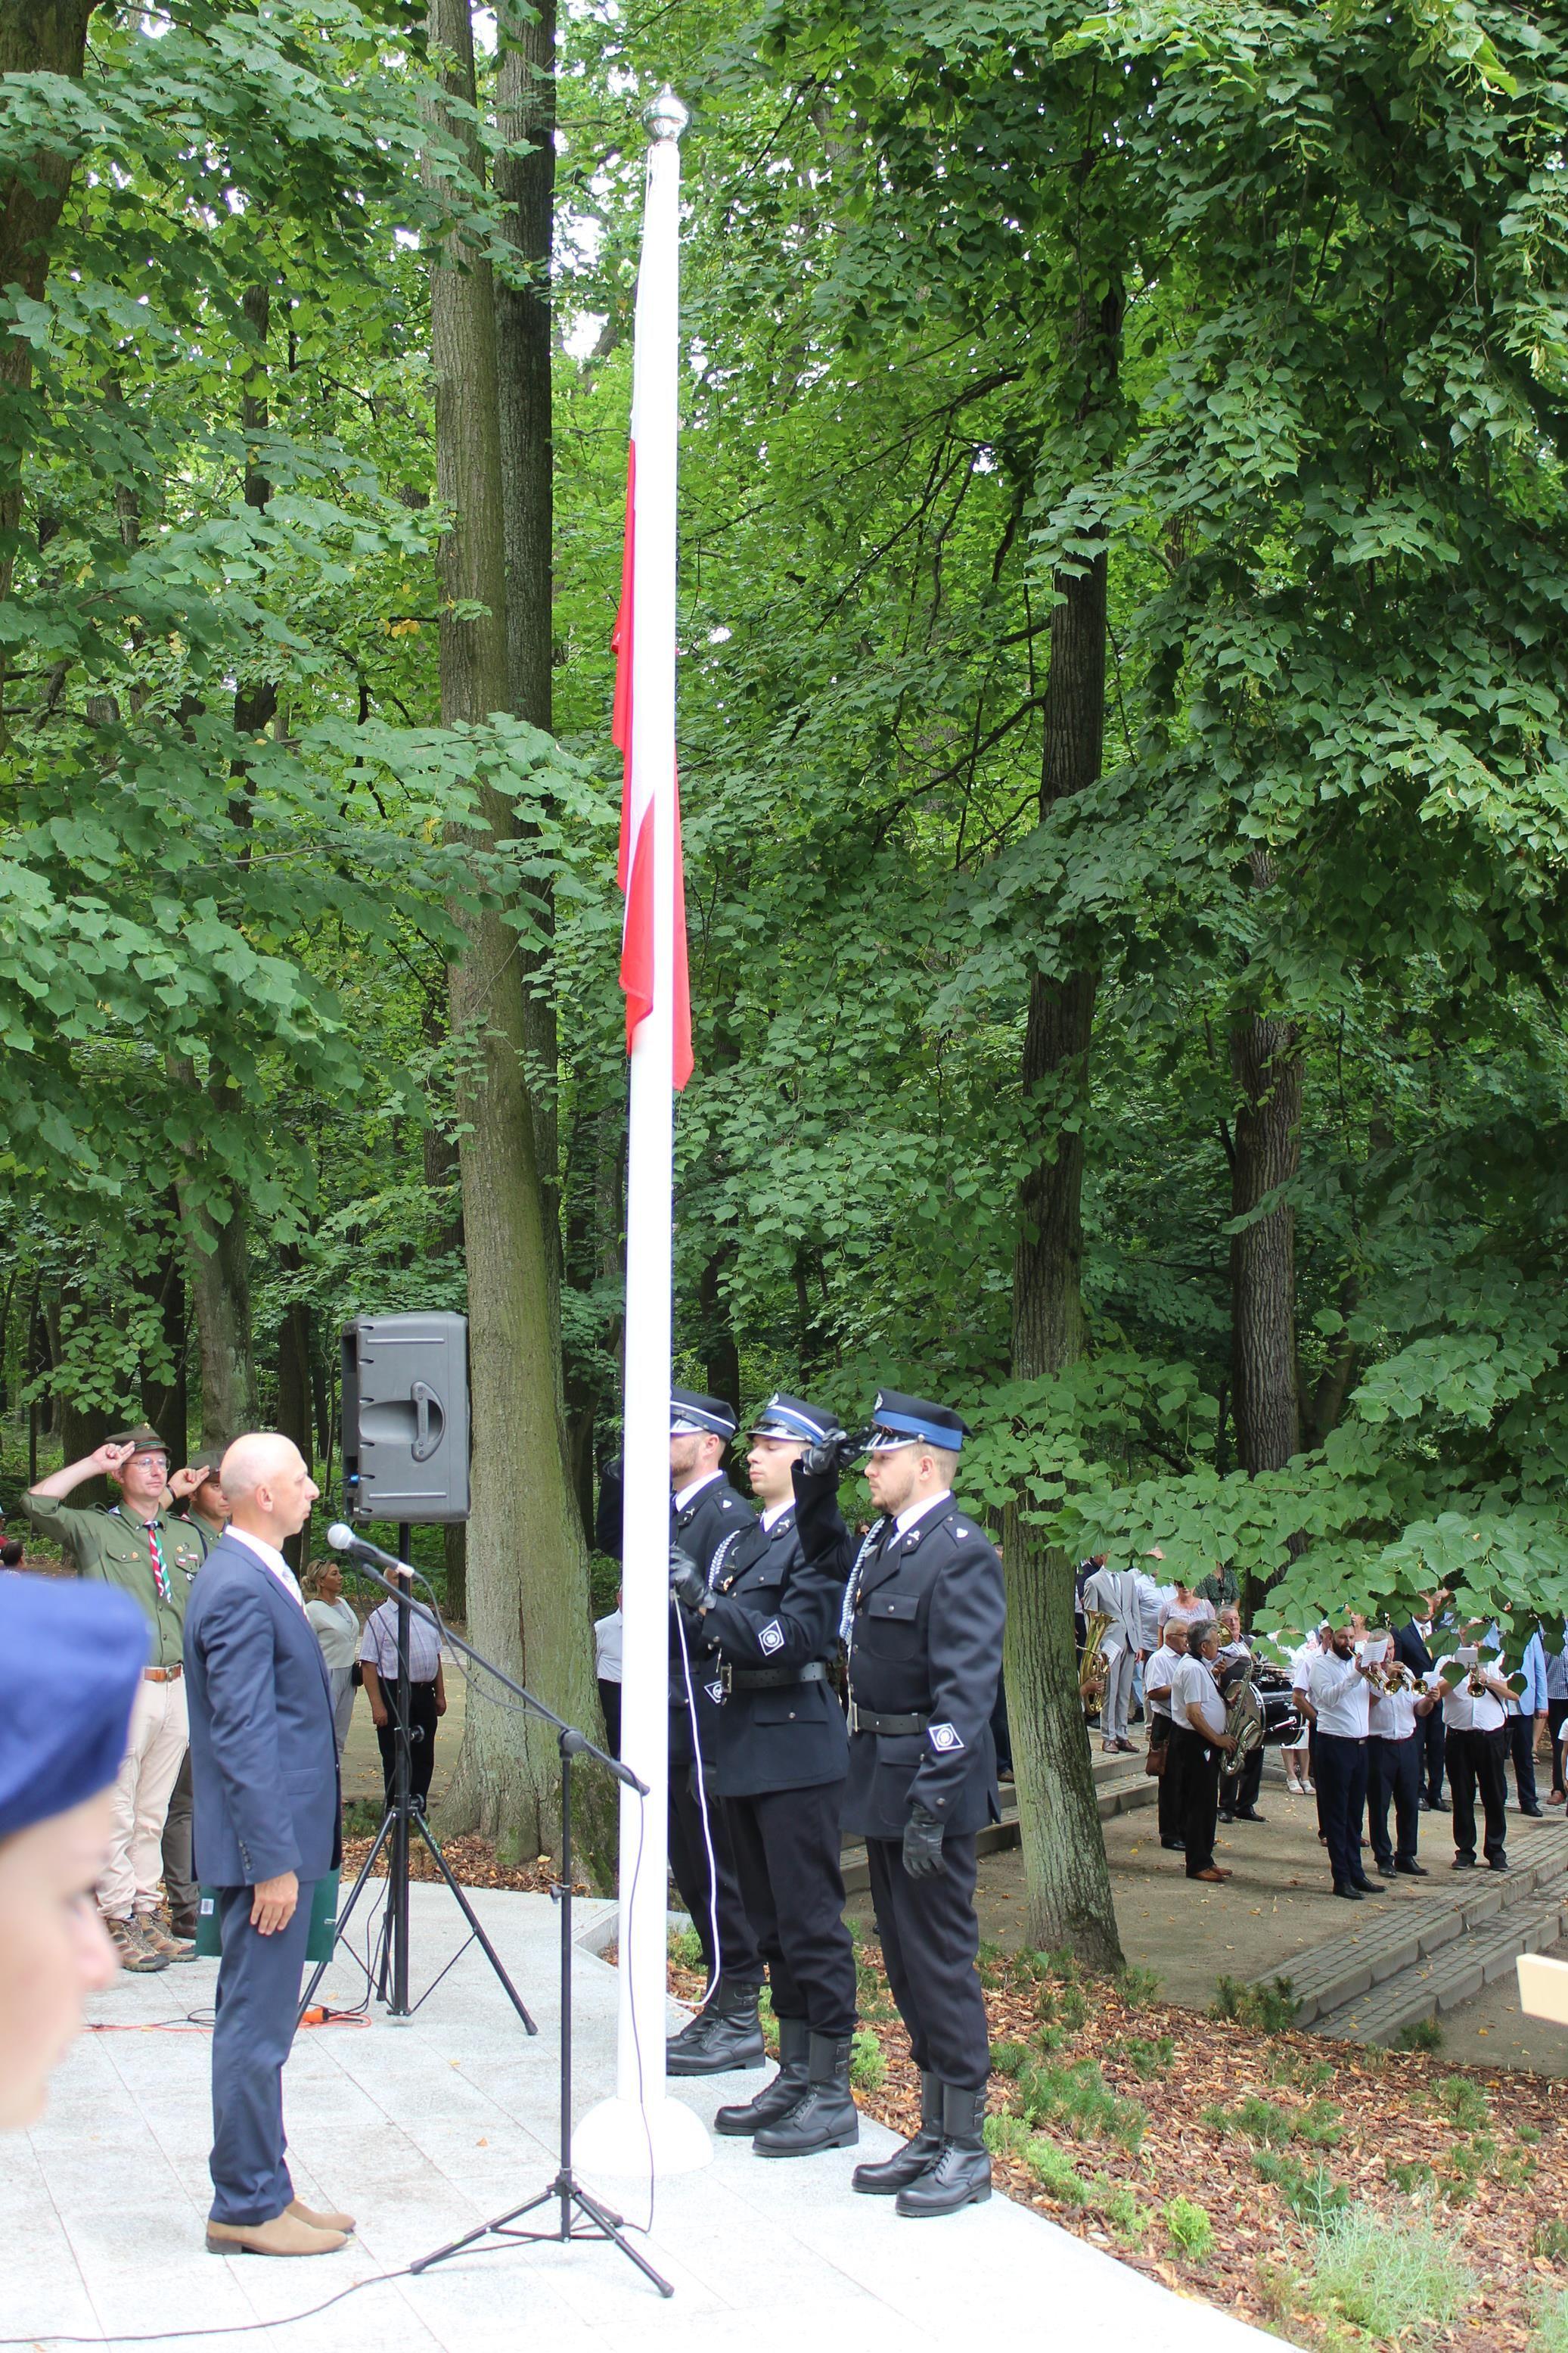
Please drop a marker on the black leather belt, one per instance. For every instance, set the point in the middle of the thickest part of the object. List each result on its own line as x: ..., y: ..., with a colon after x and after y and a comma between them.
x: 863, y: 1719
x: 771, y: 1678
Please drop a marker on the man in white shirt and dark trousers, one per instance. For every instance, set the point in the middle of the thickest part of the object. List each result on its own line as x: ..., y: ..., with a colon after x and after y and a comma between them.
x: 1198, y: 1741
x: 426, y: 1694
x: 1338, y: 1693
x: 1157, y: 1679
x: 1394, y: 1762
x: 1475, y: 1742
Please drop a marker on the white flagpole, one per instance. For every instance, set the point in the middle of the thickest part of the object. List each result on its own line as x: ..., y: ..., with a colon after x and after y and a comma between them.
x: 615, y: 2137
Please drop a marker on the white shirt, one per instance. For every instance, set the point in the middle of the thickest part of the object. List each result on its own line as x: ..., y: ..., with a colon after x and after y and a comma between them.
x: 1392, y: 1715
x: 270, y: 1558
x: 913, y: 1512
x: 1461, y: 1712
x: 1192, y: 1686
x: 1157, y: 1677
x: 607, y: 1648
x: 1150, y: 1604
x: 694, y: 1487
x: 378, y: 1645
x: 337, y: 1630
x: 1341, y: 1693
x: 776, y: 1512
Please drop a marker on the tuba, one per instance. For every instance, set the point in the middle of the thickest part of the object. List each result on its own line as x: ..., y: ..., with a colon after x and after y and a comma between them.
x: 1243, y: 1721
x: 1093, y: 1667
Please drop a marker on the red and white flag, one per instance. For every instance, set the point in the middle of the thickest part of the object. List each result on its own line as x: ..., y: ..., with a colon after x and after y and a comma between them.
x: 645, y: 626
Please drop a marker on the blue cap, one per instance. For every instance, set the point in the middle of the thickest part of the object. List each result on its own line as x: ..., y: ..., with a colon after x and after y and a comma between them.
x: 74, y: 1655
x: 791, y: 1418
x: 691, y: 1413
x: 899, y: 1420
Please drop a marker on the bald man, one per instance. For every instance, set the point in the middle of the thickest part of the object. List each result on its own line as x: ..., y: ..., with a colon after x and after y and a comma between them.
x: 268, y: 1825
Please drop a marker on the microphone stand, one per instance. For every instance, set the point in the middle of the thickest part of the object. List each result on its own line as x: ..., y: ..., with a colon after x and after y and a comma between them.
x: 563, y: 2191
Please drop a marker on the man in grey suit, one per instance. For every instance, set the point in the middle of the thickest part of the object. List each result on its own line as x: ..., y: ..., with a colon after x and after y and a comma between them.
x: 268, y: 1825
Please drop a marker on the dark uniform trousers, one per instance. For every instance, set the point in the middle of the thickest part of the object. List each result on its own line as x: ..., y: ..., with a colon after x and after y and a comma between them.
x: 930, y: 1939
x: 1520, y: 1730
x: 786, y: 1850
x: 422, y: 1722
x: 1169, y: 1781
x: 1474, y: 1761
x: 1432, y: 1734
x: 1341, y: 1771
x: 1196, y: 1767
x: 179, y: 1885
x: 1557, y: 1717
x: 699, y: 1825
x: 708, y: 1895
x: 1239, y: 1792
x: 1393, y: 1770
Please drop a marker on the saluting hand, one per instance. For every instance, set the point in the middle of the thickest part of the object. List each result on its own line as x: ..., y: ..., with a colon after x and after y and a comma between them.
x: 110, y: 1457
x: 183, y: 1484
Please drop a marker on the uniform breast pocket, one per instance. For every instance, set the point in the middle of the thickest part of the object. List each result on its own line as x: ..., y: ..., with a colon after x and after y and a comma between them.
x: 887, y: 1627
x: 778, y: 1707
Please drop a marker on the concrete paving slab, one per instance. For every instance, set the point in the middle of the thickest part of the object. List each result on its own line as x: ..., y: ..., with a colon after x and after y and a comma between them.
x: 428, y: 2128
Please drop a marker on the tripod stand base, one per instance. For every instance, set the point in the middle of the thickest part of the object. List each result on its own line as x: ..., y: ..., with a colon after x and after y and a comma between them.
x: 614, y: 2138
x: 579, y: 2216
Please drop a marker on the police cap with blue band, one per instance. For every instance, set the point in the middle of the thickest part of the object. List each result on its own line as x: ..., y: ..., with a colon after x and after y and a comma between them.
x: 692, y: 1415
x: 898, y: 1420
x: 791, y: 1417
x: 74, y: 1655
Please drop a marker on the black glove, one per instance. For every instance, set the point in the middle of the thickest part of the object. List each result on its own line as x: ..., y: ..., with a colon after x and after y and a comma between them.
x: 832, y: 1456
x: 686, y: 1583
x: 923, y: 1857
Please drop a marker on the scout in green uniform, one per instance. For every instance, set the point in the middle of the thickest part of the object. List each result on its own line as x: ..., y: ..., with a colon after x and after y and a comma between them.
x: 198, y: 1499
x: 138, y: 1545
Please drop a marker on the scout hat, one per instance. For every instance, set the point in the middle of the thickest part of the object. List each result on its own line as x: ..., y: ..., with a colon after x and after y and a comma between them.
x: 791, y: 1418
x: 143, y: 1440
x: 691, y: 1413
x: 898, y: 1420
x: 74, y: 1655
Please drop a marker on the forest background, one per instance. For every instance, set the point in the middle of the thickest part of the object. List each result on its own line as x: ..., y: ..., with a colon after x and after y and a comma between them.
x: 1123, y: 754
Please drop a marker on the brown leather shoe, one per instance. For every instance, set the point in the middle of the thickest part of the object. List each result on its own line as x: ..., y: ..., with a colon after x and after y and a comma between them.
x: 1213, y: 1875
x: 328, y: 2221
x: 286, y: 2234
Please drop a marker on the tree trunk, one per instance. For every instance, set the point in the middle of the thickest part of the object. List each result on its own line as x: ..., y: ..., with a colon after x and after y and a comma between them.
x: 295, y: 1418
x: 1266, y: 1063
x: 1066, y: 1880
x: 166, y: 1405
x: 36, y: 37
x: 525, y: 111
x: 220, y: 1294
x: 528, y: 1566
x: 720, y: 1349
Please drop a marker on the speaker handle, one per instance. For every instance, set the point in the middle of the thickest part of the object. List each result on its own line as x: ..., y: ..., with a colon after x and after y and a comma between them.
x: 430, y: 1421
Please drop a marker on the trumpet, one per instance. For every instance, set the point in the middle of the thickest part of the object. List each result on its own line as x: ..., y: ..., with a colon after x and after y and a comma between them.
x: 1476, y: 1681
x: 1094, y: 1668
x: 1394, y: 1677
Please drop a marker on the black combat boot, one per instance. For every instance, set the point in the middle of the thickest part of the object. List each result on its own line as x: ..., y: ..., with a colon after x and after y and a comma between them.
x: 726, y: 2034
x: 961, y: 2174
x: 777, y: 2098
x: 906, y: 2164
x: 826, y: 2117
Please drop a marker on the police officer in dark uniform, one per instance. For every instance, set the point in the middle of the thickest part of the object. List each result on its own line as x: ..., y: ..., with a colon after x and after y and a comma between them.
x: 924, y: 1612
x: 780, y: 1755
x: 707, y: 1518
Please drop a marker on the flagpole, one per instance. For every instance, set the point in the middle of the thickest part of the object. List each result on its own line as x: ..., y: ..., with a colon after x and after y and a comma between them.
x: 619, y: 2136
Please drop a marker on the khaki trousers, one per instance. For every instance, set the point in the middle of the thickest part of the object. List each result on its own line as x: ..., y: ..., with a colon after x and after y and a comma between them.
x: 142, y: 1790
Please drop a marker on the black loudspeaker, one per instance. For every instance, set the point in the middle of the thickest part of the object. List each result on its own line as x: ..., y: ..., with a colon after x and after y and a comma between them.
x: 405, y: 1417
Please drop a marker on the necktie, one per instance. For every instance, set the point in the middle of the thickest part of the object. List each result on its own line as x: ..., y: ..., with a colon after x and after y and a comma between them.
x: 159, y: 1573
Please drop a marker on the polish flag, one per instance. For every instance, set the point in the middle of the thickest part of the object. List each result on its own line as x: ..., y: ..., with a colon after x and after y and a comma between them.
x: 650, y: 767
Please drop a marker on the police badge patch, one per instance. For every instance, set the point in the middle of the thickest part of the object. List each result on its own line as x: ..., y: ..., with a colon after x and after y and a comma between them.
x: 715, y: 1693
x: 945, y: 1739
x: 771, y: 1639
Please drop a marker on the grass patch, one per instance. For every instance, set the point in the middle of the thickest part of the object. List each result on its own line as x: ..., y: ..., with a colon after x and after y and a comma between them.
x: 1006, y: 2136
x: 1077, y: 2098
x: 1419, y: 2034
x: 1412, y: 2178
x: 1118, y: 2205
x: 686, y: 1947
x: 1313, y: 2196
x: 1262, y: 2121
x: 1551, y: 2334
x: 1550, y: 2239
x: 1144, y: 2057
x: 1268, y: 2009
x: 1465, y: 2106
x: 1190, y: 2231
x: 1138, y: 1987
x: 1010, y: 2058
x: 1386, y: 2275
x: 1319, y: 2125
x: 1054, y: 2170
x: 868, y: 2068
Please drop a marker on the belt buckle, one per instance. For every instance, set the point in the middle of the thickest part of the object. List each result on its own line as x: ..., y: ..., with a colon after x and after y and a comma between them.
x: 725, y: 1674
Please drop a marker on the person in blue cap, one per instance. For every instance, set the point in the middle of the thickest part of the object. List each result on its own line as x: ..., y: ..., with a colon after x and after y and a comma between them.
x: 780, y: 1755
x: 707, y: 1517
x: 74, y: 1656
x: 923, y: 1616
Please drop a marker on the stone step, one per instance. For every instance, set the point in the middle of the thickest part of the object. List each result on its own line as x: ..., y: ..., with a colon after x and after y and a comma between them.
x: 1405, y: 1929
x: 1453, y: 1974
x: 1120, y: 1792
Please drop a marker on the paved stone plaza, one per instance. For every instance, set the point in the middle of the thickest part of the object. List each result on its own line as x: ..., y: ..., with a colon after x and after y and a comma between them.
x: 422, y: 2129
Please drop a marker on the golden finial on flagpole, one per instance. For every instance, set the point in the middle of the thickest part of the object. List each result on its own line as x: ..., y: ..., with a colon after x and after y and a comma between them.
x: 666, y: 118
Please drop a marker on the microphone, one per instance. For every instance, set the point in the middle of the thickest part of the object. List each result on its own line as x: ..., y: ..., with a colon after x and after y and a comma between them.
x: 342, y: 1538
